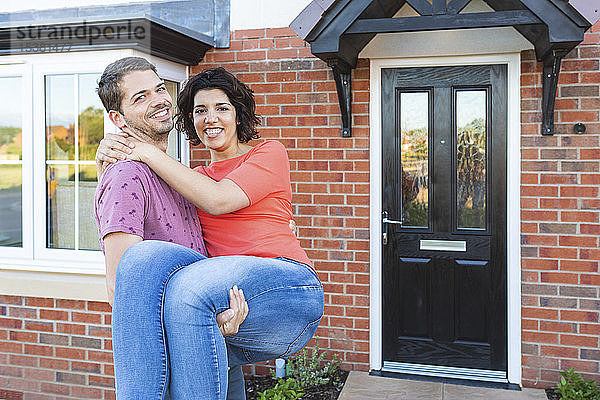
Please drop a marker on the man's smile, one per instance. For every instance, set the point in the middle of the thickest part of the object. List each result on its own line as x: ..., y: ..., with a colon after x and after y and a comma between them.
x: 161, y: 114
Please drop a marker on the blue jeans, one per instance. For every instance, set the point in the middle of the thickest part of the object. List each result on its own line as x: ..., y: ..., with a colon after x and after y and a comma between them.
x: 165, y: 333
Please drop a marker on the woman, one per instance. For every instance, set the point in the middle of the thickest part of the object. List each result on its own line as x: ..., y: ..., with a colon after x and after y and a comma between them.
x: 244, y: 203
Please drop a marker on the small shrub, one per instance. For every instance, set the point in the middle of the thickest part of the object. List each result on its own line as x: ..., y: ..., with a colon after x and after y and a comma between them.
x: 572, y: 386
x: 287, y: 389
x: 307, y: 370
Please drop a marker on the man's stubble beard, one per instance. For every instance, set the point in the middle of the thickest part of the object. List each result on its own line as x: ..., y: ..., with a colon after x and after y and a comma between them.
x: 154, y: 134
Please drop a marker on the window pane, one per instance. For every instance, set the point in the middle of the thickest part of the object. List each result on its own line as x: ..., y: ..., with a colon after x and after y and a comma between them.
x: 72, y: 105
x: 88, y: 232
x: 60, y: 117
x: 11, y: 117
x: 11, y: 154
x: 91, y: 117
x: 11, y: 226
x: 471, y: 106
x: 174, y: 138
x: 61, y: 200
x: 414, y: 122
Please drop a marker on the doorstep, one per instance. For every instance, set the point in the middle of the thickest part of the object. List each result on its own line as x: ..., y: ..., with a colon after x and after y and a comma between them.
x: 361, y: 385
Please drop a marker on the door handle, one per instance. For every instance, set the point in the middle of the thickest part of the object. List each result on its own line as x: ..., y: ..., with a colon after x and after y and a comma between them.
x: 385, y: 220
x: 391, y: 221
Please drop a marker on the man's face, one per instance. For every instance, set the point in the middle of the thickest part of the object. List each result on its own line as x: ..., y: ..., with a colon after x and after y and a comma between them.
x: 146, y: 107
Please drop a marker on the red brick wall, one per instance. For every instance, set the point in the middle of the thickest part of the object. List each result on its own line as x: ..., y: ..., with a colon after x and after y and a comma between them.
x: 55, y: 349
x: 560, y: 203
x: 296, y: 96
x: 52, y: 348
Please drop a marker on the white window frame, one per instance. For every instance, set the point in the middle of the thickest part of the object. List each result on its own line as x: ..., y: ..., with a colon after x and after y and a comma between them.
x: 34, y: 256
x: 94, y: 259
x: 23, y: 71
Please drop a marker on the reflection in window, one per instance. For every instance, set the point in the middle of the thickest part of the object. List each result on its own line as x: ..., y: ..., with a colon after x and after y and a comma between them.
x: 174, y: 137
x: 72, y: 105
x: 60, y: 117
x: 91, y: 117
x: 88, y: 238
x: 61, y: 199
x: 414, y: 125
x: 11, y: 164
x: 471, y: 106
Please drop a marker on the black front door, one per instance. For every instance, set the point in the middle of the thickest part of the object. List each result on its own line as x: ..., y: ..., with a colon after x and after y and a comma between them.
x: 444, y: 220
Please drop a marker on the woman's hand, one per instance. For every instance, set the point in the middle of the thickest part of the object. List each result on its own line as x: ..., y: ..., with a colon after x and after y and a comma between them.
x: 142, y: 151
x: 114, y: 147
x: 293, y: 227
x: 230, y: 320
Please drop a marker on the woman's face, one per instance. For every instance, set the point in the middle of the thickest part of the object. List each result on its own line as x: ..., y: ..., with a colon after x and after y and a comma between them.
x: 215, y: 120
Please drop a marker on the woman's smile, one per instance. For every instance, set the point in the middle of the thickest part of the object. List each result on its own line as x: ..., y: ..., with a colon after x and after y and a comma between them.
x: 212, y: 132
x: 215, y: 121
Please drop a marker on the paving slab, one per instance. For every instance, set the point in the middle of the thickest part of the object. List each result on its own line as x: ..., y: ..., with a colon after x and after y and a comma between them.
x: 462, y: 392
x: 362, y: 386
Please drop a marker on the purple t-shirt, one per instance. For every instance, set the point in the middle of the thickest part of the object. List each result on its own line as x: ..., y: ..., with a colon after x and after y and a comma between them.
x: 131, y: 198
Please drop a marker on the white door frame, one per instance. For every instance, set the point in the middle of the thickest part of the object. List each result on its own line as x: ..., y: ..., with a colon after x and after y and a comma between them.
x: 513, y: 256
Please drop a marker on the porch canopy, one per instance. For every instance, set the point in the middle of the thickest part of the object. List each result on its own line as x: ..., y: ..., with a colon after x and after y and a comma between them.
x: 177, y: 30
x: 338, y: 30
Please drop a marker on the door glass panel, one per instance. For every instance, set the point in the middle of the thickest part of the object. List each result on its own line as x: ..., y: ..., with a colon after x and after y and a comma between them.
x: 471, y: 192
x: 11, y: 163
x: 414, y: 125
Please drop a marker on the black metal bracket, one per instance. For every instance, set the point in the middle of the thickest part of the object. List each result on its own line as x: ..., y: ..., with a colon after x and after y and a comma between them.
x: 549, y: 84
x: 342, y: 76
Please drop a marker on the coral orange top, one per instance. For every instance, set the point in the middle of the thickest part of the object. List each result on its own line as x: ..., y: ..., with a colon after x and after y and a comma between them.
x: 261, y: 229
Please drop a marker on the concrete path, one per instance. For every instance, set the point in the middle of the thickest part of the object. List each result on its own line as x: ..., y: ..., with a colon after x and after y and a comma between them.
x: 362, y: 386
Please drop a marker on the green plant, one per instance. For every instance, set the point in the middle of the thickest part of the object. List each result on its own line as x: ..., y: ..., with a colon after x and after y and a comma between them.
x: 308, y: 370
x: 572, y: 386
x: 288, y: 389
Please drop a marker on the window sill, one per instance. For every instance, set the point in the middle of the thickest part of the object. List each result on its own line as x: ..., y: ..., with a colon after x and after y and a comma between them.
x: 94, y: 267
x: 51, y: 279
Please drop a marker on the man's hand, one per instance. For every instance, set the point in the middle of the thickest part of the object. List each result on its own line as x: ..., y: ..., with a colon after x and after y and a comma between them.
x: 230, y: 320
x: 114, y: 147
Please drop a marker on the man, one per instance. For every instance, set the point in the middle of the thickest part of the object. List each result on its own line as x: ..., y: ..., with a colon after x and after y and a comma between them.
x: 132, y: 203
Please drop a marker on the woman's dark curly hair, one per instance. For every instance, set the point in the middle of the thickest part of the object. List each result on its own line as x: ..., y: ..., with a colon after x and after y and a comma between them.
x: 240, y: 96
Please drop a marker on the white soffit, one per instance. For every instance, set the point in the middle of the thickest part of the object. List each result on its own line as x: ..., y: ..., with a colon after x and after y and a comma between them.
x: 446, y: 42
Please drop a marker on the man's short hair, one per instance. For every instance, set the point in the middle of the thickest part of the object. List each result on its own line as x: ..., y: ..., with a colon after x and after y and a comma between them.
x: 108, y: 86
